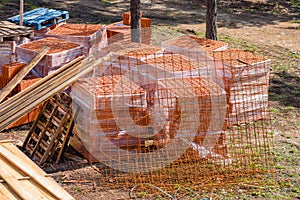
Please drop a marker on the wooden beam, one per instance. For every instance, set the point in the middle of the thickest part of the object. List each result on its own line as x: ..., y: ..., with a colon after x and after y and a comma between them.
x: 28, y: 91
x: 21, y: 12
x: 48, y: 184
x: 48, y: 89
x: 19, y: 76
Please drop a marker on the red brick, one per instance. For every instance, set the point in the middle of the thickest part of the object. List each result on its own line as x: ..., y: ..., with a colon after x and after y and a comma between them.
x: 127, y: 18
x: 9, y: 70
x: 28, y: 81
x: 3, y: 81
x: 32, y: 116
x: 146, y: 22
x: 21, y: 121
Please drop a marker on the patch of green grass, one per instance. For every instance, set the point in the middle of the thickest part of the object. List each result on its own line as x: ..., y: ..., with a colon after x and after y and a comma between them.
x: 274, y: 110
x: 294, y: 55
x: 289, y: 108
x: 295, y: 190
x: 200, y: 33
x: 142, y: 194
x: 280, y: 167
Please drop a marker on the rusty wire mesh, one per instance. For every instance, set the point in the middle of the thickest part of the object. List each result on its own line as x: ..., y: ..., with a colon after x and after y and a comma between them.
x: 192, y: 113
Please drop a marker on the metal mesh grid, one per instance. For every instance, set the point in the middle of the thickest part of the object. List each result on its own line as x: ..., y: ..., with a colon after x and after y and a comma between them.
x: 176, y: 115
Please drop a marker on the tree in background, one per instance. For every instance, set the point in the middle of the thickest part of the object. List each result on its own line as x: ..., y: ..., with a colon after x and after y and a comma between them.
x: 135, y: 20
x: 211, y: 20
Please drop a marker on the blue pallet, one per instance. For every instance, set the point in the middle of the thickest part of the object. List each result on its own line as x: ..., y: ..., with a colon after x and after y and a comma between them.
x: 41, y: 18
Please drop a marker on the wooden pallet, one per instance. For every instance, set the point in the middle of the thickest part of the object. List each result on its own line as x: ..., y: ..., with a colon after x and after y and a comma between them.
x: 11, y: 31
x: 50, y: 132
x: 41, y: 18
x: 20, y: 178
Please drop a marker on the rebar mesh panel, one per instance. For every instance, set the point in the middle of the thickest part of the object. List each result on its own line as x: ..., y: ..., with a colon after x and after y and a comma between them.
x: 179, y: 115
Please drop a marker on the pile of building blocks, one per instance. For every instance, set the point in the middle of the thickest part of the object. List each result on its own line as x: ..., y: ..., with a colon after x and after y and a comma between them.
x: 230, y: 87
x: 122, y: 30
x: 246, y: 81
x: 98, y: 101
x: 92, y: 37
x: 7, y: 52
x: 60, y: 53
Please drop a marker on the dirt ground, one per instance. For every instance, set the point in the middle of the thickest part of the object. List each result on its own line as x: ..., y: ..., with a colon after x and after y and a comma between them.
x: 261, y: 26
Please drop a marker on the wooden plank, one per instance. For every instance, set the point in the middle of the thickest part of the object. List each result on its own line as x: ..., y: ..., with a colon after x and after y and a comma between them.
x: 48, y: 90
x: 22, y: 73
x: 13, y: 183
x: 13, y: 149
x: 48, y: 184
x: 11, y: 103
x: 6, y: 193
x: 27, y: 183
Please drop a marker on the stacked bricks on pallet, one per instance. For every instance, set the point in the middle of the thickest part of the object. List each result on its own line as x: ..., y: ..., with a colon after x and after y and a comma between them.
x: 181, y: 97
x: 103, y: 104
x: 122, y: 30
x: 60, y: 53
x: 40, y: 34
x: 7, y: 52
x: 127, y: 56
x: 8, y: 72
x: 198, y: 49
x: 246, y: 78
x: 92, y: 37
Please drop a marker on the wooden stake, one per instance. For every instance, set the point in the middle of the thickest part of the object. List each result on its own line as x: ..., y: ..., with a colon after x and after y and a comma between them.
x: 21, y: 12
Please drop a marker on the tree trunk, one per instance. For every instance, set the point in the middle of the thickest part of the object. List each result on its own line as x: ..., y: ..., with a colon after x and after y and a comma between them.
x: 211, y: 20
x: 135, y: 21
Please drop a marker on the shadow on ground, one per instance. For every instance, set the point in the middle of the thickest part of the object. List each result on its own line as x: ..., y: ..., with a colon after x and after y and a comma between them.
x: 285, y: 88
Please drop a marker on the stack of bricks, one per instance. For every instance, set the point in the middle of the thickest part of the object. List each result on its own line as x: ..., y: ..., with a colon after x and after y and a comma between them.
x: 92, y: 37
x: 7, y: 52
x: 60, y: 53
x: 194, y: 105
x: 40, y: 34
x: 126, y: 52
x: 104, y: 106
x: 122, y: 30
x: 163, y: 77
x: 8, y: 72
x: 246, y: 81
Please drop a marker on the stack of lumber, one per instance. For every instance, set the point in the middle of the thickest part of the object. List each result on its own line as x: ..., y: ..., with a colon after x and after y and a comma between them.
x: 246, y: 81
x: 10, y: 36
x: 108, y: 106
x: 16, y: 81
x: 8, y: 72
x: 92, y: 37
x: 60, y: 53
x: 13, y: 32
x: 28, y: 99
x: 21, y: 178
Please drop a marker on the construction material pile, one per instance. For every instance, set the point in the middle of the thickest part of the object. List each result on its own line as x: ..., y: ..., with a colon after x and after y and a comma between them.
x: 10, y: 36
x: 122, y: 31
x: 60, y: 53
x: 165, y: 113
